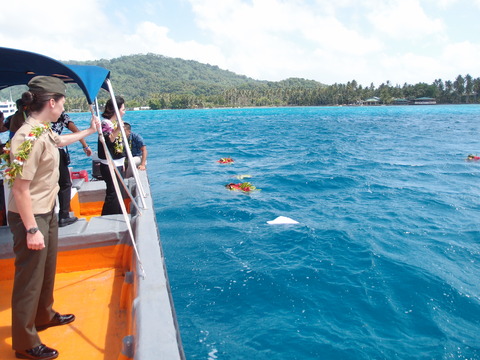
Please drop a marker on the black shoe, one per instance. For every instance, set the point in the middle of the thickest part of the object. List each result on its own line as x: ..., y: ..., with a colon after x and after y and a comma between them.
x: 38, y: 352
x: 57, y: 321
x: 67, y: 221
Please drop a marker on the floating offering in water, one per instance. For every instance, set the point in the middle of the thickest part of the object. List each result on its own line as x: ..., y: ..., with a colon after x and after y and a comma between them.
x: 244, y: 187
x: 472, y: 157
x: 243, y: 176
x: 282, y: 220
x: 226, y: 161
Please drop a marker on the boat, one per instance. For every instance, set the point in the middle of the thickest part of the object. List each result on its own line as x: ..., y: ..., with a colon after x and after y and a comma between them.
x: 8, y: 108
x: 111, y: 270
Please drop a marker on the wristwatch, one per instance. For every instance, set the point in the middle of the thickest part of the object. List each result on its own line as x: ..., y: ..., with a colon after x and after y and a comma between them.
x: 32, y: 230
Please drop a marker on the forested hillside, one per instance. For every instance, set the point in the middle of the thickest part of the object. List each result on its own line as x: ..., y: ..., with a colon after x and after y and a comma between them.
x: 161, y: 82
x: 138, y: 76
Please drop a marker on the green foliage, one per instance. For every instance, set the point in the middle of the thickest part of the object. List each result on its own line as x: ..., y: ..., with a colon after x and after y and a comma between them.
x: 172, y: 83
x: 14, y: 168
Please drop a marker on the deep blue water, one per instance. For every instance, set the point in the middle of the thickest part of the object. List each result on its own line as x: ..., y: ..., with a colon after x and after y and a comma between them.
x: 385, y: 260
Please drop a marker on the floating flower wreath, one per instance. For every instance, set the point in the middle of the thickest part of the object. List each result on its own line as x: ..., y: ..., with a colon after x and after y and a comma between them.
x: 226, y: 161
x: 245, y: 187
x: 473, y: 157
x: 15, y: 167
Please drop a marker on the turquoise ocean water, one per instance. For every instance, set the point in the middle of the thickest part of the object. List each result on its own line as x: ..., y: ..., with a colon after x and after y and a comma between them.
x: 385, y: 260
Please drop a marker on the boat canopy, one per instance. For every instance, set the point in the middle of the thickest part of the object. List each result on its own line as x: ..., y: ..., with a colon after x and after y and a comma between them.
x: 17, y: 67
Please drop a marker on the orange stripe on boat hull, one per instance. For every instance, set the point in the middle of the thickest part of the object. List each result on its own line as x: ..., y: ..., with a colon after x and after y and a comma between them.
x: 118, y: 256
x: 90, y: 209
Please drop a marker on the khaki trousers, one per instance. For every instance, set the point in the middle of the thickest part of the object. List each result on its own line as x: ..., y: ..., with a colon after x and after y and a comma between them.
x: 32, y: 297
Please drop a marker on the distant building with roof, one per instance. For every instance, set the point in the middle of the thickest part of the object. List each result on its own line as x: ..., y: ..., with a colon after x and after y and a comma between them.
x: 401, y: 102
x: 424, y: 101
x: 372, y: 101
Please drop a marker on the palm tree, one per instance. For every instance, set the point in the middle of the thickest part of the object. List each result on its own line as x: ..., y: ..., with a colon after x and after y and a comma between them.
x: 476, y: 87
x: 459, y: 86
x: 448, y: 90
x: 468, y: 86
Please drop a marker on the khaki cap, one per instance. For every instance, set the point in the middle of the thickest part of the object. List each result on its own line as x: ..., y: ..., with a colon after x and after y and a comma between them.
x: 47, y: 84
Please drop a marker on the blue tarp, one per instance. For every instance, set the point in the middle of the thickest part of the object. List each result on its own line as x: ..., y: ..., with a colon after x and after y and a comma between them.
x: 17, y: 67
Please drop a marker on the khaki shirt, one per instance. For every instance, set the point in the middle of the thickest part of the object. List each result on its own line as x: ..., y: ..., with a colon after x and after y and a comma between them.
x: 41, y: 168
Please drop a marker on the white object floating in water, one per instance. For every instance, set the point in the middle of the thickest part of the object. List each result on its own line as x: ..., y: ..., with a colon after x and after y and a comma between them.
x: 243, y: 176
x: 282, y: 220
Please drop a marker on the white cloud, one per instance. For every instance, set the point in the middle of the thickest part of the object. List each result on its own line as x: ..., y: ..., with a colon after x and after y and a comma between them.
x: 84, y: 31
x: 444, y: 4
x: 151, y: 38
x: 404, y: 20
x: 461, y: 58
x: 365, y: 40
x: 410, y: 68
x: 329, y: 33
x: 55, y: 28
x: 274, y: 39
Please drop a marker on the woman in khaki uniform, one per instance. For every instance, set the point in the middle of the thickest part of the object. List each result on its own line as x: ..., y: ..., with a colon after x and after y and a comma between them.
x: 32, y: 219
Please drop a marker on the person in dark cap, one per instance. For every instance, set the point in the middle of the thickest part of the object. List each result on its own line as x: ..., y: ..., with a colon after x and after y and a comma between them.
x: 65, y: 182
x: 33, y: 176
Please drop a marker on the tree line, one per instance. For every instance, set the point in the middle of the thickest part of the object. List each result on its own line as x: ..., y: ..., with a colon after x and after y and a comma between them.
x: 160, y: 82
x: 463, y: 90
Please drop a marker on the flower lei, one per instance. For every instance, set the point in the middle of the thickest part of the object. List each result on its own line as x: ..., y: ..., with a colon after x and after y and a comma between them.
x: 118, y: 144
x: 245, y: 187
x: 473, y: 157
x: 15, y: 167
x: 107, y: 128
x: 226, y: 161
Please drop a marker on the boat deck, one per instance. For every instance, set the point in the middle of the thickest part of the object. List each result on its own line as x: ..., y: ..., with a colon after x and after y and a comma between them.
x: 93, y: 260
x: 120, y: 314
x: 97, y: 331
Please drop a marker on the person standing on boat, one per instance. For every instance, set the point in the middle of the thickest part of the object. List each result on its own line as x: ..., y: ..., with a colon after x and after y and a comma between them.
x: 115, y: 145
x: 138, y: 149
x: 65, y: 182
x: 33, y: 223
x: 3, y: 127
x: 15, y: 121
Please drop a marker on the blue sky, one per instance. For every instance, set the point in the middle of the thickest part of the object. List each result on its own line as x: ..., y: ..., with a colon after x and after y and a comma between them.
x: 329, y: 41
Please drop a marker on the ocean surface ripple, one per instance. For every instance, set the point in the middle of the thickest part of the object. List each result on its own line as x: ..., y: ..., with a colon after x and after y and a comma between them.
x: 384, y: 263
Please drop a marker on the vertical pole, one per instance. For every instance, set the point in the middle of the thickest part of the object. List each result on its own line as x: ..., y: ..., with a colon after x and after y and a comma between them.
x: 129, y: 152
x: 119, y: 193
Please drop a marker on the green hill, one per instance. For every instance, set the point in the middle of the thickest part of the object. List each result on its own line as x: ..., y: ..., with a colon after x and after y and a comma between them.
x: 140, y: 76
x: 164, y: 82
